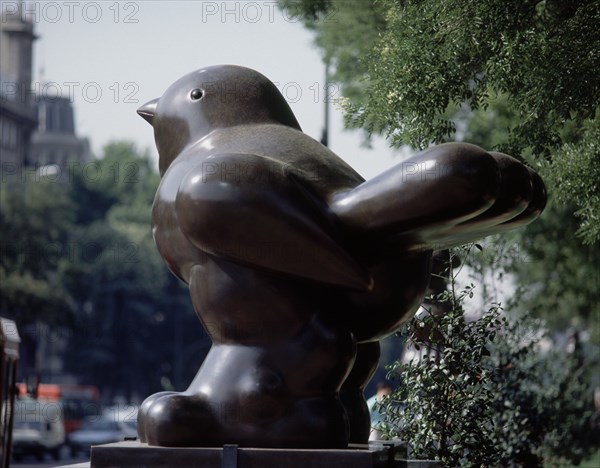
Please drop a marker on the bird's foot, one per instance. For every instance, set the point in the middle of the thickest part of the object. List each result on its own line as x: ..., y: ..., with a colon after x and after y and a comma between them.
x: 174, y: 419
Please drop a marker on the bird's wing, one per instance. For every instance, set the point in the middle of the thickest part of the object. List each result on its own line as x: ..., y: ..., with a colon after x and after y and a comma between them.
x: 446, y: 195
x: 251, y: 209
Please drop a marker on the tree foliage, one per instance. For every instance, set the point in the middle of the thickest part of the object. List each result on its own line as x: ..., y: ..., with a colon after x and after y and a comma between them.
x: 553, y: 260
x: 82, y: 262
x: 135, y: 313
x: 556, y: 274
x: 484, y: 394
x: 543, y: 55
x: 574, y: 172
x: 36, y: 217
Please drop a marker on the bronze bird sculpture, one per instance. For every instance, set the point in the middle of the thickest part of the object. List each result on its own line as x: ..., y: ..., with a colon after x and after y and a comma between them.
x: 296, y: 265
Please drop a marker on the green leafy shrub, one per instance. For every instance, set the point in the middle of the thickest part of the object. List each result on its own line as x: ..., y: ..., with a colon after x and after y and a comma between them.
x: 483, y: 393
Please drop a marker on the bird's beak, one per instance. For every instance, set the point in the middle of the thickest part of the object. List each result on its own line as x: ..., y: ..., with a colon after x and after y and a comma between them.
x: 148, y: 110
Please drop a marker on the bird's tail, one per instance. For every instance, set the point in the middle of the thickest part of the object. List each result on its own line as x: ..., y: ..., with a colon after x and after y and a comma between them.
x: 447, y: 195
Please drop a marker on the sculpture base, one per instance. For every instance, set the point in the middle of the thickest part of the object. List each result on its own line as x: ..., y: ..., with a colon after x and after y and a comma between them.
x: 136, y: 454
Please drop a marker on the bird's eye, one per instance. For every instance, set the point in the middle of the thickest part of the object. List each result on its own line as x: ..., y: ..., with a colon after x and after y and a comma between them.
x: 196, y: 94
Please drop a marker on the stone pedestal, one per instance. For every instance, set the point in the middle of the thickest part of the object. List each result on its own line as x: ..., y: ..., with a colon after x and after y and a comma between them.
x: 131, y: 454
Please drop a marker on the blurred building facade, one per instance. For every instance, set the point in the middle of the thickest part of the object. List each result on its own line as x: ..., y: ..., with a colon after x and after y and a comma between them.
x: 17, y: 112
x: 37, y: 129
x: 54, y: 143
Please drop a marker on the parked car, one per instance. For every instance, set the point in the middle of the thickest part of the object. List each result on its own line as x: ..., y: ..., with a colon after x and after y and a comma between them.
x: 38, y: 429
x: 98, y: 431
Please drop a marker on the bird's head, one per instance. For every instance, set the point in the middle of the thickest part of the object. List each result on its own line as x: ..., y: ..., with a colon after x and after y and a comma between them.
x: 208, y: 99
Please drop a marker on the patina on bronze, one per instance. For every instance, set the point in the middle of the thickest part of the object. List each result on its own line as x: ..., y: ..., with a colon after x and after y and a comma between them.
x: 296, y: 266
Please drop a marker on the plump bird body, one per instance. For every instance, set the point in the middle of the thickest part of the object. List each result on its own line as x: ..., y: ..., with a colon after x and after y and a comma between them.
x: 290, y: 335
x: 296, y: 266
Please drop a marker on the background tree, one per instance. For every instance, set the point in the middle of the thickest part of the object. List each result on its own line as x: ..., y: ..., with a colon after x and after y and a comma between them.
x: 136, y: 316
x: 80, y: 262
x: 36, y: 217
x: 35, y: 221
x: 557, y: 271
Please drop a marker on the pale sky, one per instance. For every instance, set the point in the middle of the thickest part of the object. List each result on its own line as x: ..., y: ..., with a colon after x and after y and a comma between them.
x: 112, y: 57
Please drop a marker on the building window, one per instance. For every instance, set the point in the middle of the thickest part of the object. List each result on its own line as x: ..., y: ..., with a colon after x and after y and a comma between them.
x: 13, y: 136
x: 8, y: 133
